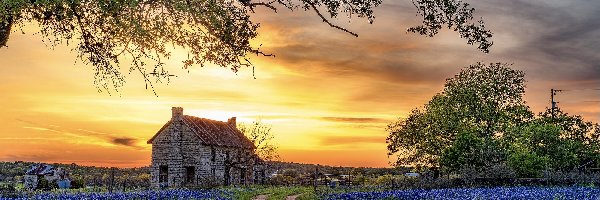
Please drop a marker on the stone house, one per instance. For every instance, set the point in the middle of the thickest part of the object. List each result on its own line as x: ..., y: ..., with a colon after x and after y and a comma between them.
x: 194, y: 151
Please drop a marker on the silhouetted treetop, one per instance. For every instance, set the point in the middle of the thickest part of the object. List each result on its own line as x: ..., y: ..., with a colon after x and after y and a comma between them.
x: 106, y: 32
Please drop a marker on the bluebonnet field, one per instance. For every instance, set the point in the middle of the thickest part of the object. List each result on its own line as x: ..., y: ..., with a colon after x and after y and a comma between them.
x: 575, y: 192
x: 149, y: 194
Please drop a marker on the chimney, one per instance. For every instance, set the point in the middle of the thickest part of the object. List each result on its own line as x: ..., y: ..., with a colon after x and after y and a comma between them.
x: 177, y: 112
x: 231, y: 121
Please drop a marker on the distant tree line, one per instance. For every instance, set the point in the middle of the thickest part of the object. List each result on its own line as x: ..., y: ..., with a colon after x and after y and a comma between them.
x: 83, y: 176
x: 101, y: 178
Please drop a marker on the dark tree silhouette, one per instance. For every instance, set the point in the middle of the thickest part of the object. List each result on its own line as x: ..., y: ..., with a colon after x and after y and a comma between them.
x: 212, y: 31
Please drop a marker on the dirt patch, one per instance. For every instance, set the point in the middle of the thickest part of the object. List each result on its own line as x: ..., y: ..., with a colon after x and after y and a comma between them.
x: 261, y: 197
x: 292, y: 197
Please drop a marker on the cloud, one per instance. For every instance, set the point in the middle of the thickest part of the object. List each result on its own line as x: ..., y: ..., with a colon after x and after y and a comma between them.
x: 355, y: 119
x: 125, y: 141
x: 28, y: 157
x: 81, y: 133
x: 557, y: 39
x: 350, y: 140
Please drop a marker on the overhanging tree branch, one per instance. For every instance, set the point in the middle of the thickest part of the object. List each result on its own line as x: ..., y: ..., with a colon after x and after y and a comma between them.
x: 329, y: 23
x: 211, y: 31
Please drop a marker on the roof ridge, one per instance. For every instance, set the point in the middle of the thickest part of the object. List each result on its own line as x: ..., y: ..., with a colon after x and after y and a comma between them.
x: 214, y: 120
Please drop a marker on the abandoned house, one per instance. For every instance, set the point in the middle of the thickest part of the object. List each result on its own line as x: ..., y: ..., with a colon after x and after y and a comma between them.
x: 36, y: 173
x: 193, y: 151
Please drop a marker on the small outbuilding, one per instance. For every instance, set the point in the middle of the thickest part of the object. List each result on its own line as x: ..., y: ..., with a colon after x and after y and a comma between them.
x: 33, y: 177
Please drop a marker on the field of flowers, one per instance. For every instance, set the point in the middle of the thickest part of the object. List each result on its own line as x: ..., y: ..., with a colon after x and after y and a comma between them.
x: 478, y: 193
x: 149, y: 194
x: 575, y: 192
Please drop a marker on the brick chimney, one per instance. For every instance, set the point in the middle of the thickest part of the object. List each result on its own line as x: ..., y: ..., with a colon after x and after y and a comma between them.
x: 231, y: 121
x: 177, y: 113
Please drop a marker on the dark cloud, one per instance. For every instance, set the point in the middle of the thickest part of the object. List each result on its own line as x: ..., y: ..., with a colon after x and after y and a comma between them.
x: 125, y: 141
x: 397, y: 62
x: 556, y: 40
x: 557, y: 43
x: 561, y: 37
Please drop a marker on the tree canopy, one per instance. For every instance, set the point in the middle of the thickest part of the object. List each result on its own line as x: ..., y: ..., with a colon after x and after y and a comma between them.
x: 480, y: 121
x: 211, y: 31
x: 479, y: 101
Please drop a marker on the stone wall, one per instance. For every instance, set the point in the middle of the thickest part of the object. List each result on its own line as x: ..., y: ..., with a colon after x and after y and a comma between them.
x: 178, y: 147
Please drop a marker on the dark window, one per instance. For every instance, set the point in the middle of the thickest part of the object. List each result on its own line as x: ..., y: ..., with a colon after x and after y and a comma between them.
x: 213, y: 153
x: 163, y: 174
x: 226, y: 175
x: 190, y: 174
x: 243, y: 175
x: 258, y: 176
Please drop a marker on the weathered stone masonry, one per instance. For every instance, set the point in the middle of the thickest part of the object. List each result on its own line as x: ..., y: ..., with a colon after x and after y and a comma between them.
x: 190, y: 151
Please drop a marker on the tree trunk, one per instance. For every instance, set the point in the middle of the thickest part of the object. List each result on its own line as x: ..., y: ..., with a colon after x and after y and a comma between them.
x: 5, y: 31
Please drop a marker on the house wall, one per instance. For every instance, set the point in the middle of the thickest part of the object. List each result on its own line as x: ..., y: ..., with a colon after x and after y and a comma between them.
x: 178, y: 146
x: 167, y: 150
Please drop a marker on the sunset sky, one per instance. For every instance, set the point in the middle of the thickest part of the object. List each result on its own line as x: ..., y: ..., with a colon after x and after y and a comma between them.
x: 327, y: 94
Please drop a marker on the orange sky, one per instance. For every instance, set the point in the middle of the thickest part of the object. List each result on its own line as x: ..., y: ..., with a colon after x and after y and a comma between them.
x: 328, y: 95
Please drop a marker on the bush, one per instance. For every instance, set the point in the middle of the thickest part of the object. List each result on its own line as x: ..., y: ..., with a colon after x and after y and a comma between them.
x: 571, y: 178
x: 8, y: 191
x: 77, y: 183
x: 527, y: 163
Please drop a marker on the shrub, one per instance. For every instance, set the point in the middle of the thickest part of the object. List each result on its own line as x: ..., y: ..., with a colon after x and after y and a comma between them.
x: 527, y: 163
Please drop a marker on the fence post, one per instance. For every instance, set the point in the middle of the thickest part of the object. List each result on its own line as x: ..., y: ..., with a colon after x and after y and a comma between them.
x: 315, y: 177
x: 112, y: 179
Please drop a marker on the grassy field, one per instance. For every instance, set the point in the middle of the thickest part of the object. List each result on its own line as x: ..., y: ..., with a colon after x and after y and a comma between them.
x: 272, y: 193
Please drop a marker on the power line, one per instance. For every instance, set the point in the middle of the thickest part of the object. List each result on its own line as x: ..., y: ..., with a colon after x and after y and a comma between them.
x: 586, y: 89
x: 577, y: 101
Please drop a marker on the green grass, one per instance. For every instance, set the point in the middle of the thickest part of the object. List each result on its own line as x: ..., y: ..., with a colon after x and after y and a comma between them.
x: 272, y: 192
x: 239, y: 192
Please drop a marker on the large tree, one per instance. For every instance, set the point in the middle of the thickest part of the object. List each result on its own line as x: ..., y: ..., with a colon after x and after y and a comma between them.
x: 460, y: 125
x: 212, y: 31
x: 480, y: 121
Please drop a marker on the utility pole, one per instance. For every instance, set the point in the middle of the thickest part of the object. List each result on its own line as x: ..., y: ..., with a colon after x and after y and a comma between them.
x: 552, y: 93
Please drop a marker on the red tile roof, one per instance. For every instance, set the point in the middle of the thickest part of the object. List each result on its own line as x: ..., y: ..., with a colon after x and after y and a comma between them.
x: 213, y: 133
